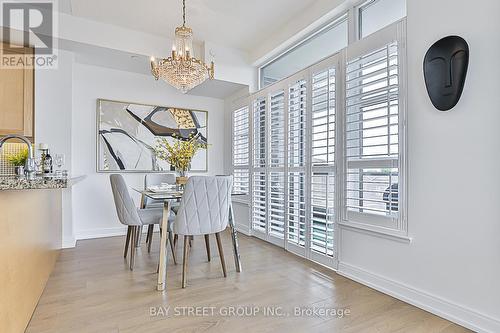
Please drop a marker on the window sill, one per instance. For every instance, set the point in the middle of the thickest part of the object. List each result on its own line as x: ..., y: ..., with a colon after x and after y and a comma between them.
x: 376, y: 231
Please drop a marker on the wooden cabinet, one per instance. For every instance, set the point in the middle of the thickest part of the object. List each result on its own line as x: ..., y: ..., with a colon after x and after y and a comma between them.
x: 30, y: 240
x: 17, y: 99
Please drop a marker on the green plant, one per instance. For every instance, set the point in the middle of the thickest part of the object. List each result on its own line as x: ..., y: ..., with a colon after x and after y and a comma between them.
x: 19, y: 158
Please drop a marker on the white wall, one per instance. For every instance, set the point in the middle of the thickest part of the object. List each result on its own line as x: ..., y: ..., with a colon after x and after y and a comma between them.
x: 53, y: 112
x: 93, y: 204
x: 231, y: 65
x: 452, y: 266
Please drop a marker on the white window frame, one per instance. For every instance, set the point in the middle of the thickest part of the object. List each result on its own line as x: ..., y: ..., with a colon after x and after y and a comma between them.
x: 357, y: 18
x: 395, y: 32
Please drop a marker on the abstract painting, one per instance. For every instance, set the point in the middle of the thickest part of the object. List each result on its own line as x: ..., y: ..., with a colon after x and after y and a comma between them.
x: 127, y: 134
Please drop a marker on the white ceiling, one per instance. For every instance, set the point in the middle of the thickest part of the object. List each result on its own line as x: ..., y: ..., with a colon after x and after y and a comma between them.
x: 241, y: 24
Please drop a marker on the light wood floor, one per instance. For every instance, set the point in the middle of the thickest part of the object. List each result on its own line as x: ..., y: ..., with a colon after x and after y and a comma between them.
x: 92, y: 290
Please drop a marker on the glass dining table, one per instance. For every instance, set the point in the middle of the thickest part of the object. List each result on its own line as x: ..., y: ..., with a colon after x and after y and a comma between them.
x: 168, y: 198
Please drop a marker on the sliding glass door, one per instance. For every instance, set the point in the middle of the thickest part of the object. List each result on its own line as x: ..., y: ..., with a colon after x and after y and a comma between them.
x: 294, y: 195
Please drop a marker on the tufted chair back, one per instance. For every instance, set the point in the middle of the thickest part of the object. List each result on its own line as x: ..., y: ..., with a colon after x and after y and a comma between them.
x: 125, y: 207
x: 204, y: 208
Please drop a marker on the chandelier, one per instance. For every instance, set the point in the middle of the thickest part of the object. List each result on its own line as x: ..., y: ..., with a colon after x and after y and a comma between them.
x: 182, y: 70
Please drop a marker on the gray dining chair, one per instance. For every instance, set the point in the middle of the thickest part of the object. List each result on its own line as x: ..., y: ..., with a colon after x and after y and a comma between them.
x: 135, y: 218
x: 155, y: 179
x: 204, y: 210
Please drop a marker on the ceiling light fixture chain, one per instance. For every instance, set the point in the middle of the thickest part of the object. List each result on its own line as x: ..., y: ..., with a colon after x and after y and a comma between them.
x: 182, y: 70
x: 183, y: 13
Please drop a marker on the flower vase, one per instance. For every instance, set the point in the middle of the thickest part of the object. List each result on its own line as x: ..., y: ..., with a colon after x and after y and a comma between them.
x: 19, y: 171
x: 182, y: 179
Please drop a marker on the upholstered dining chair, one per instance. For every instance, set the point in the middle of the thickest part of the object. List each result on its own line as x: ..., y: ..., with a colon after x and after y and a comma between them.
x: 154, y: 179
x: 135, y: 218
x: 204, y: 210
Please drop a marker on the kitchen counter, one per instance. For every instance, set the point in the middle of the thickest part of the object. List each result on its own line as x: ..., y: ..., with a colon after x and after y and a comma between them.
x: 34, y: 215
x: 14, y: 183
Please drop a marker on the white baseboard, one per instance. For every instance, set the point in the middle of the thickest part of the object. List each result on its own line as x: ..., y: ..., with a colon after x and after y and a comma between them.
x: 101, y: 233
x: 459, y: 314
x: 244, y: 229
x: 106, y: 232
x: 68, y: 243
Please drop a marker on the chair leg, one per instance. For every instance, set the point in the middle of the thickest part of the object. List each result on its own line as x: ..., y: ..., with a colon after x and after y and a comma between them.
x: 150, y: 231
x: 176, y: 238
x: 221, y: 254
x: 150, y: 236
x: 171, y: 241
x: 207, y: 245
x: 185, y: 261
x: 139, y: 237
x: 134, y: 238
x: 127, y: 241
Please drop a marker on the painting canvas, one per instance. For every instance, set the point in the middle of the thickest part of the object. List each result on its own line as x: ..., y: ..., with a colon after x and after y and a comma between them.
x: 127, y: 134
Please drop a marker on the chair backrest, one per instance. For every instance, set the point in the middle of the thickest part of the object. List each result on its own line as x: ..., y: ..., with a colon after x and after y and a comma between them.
x: 205, y: 206
x: 157, y: 179
x: 125, y: 207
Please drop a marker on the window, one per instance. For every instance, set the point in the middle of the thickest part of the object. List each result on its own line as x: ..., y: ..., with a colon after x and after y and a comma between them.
x: 241, y: 150
x: 328, y: 148
x: 373, y: 15
x: 259, y: 191
x: 372, y: 137
x: 321, y: 44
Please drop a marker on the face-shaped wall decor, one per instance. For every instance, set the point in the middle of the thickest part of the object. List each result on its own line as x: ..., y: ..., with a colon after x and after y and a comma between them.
x: 445, y: 69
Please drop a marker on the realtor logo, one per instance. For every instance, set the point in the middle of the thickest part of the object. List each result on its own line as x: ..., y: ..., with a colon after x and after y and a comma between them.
x: 27, y: 25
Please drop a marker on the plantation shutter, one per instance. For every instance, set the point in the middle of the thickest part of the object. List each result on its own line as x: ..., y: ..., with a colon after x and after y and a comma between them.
x: 372, y: 137
x: 259, y: 188
x: 276, y: 198
x: 323, y: 162
x: 241, y: 150
x: 297, y: 150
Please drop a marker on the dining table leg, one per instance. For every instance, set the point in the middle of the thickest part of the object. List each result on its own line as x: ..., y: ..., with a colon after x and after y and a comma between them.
x: 162, y: 270
x: 139, y: 236
x: 234, y: 237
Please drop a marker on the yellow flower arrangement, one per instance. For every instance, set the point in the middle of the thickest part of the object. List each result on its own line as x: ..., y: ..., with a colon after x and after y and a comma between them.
x: 179, y: 153
x: 19, y: 158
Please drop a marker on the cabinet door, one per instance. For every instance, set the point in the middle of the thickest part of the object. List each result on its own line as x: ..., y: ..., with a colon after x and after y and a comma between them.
x: 16, y: 101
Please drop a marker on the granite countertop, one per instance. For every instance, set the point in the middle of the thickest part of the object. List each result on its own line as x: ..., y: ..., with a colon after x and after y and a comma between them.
x: 14, y: 183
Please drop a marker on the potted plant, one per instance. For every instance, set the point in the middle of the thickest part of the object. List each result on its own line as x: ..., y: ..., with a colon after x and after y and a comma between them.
x: 18, y: 160
x: 179, y: 154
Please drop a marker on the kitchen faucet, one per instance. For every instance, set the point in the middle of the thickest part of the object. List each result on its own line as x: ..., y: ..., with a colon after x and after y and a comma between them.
x: 29, y: 168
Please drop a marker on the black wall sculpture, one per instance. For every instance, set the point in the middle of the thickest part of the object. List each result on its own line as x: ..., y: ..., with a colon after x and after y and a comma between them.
x: 445, y: 69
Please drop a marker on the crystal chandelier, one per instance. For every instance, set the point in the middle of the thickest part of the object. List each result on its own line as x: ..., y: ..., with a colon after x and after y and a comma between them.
x: 182, y: 70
